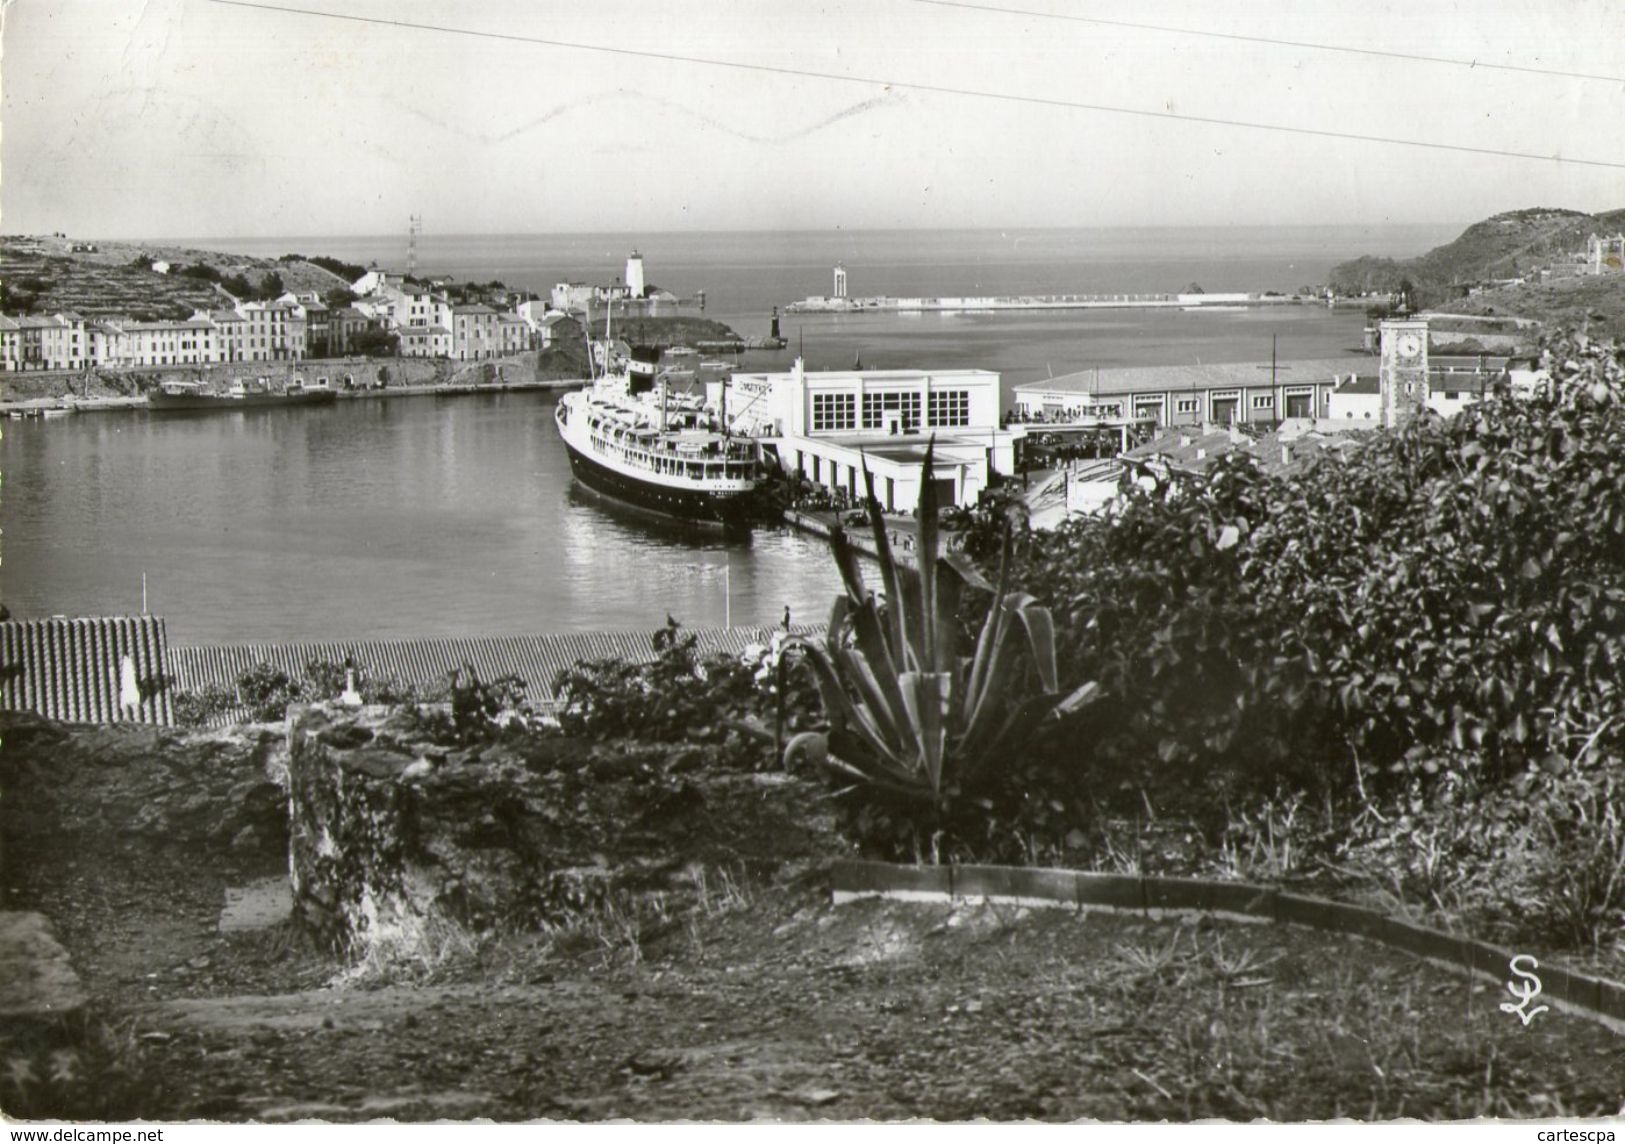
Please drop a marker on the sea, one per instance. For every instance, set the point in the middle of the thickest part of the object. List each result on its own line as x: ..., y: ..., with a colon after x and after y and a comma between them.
x: 457, y: 516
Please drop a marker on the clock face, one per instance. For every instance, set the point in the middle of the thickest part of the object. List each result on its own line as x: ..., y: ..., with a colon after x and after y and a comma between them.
x: 1409, y: 345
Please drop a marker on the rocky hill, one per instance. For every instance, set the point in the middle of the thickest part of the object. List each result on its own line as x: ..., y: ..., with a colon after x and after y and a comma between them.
x: 1502, y: 246
x: 44, y: 275
x: 1511, y: 245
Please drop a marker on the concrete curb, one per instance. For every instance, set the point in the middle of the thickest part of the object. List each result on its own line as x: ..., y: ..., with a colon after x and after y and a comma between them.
x: 1563, y: 988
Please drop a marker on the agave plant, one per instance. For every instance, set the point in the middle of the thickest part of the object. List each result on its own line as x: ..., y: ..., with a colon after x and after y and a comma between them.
x: 913, y: 708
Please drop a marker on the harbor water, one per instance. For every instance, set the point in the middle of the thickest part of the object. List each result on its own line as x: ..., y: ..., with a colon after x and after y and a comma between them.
x: 430, y: 516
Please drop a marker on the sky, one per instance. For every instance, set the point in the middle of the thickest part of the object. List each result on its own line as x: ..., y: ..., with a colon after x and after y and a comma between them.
x: 176, y: 118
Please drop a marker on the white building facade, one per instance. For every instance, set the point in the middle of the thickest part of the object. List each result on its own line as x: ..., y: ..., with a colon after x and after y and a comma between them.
x: 831, y: 426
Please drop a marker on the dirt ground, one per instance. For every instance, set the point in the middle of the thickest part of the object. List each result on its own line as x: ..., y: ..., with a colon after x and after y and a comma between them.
x: 762, y: 1000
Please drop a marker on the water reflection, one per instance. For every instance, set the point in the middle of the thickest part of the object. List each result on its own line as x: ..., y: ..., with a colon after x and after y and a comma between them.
x: 377, y: 519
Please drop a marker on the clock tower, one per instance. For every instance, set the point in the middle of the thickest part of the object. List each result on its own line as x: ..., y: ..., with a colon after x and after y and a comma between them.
x: 1404, y: 370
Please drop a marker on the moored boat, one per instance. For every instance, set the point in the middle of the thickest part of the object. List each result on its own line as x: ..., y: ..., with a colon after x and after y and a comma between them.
x: 657, y: 451
x: 191, y: 396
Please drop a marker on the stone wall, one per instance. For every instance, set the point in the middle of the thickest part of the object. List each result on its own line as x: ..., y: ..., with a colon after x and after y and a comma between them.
x: 400, y: 846
x: 219, y: 791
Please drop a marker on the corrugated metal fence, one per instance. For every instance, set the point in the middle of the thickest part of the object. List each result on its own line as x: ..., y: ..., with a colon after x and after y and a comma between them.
x: 104, y: 670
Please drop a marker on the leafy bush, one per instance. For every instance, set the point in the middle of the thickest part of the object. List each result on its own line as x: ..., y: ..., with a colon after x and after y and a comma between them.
x: 679, y: 696
x: 267, y: 691
x: 478, y: 706
x: 1456, y: 586
x: 201, y: 707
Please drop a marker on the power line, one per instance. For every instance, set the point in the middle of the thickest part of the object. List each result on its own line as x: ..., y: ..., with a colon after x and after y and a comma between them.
x: 1415, y: 57
x: 936, y: 89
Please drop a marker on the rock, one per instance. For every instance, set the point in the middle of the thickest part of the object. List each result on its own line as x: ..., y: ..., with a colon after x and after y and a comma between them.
x: 345, y: 735
x: 37, y: 981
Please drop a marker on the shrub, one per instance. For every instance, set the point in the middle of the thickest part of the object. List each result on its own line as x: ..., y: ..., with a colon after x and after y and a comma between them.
x: 1456, y: 586
x: 267, y: 691
x: 678, y: 696
x: 201, y: 707
x: 478, y: 706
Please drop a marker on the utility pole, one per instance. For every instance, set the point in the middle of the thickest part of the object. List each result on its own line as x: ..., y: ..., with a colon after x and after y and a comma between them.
x: 414, y: 224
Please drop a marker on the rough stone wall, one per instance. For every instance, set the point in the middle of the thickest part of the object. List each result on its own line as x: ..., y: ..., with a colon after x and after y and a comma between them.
x: 400, y: 847
x: 222, y: 791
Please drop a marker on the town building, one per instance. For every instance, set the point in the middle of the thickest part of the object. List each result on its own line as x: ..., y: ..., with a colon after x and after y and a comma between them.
x: 571, y: 297
x: 276, y: 331
x: 318, y: 321
x: 344, y: 326
x: 475, y: 335
x: 43, y: 341
x: 831, y: 426
x: 424, y: 341
x: 1605, y: 254
x: 407, y: 305
x: 513, y: 334
x: 1219, y: 393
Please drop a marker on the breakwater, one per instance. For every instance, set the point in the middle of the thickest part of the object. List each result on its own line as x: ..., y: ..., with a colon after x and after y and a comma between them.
x: 1039, y: 302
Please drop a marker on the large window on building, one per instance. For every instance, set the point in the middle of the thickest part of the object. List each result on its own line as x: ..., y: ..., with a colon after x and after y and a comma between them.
x: 949, y: 408
x: 877, y: 405
x: 833, y: 411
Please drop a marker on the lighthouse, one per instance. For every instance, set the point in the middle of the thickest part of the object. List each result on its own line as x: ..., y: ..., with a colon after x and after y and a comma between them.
x: 634, y: 274
x: 840, y: 281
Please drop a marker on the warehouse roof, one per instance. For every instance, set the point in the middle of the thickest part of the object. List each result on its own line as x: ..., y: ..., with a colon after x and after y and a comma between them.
x: 1219, y: 375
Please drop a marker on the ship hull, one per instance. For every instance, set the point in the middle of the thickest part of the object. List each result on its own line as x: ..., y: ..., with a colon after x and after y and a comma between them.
x: 728, y: 511
x: 202, y: 402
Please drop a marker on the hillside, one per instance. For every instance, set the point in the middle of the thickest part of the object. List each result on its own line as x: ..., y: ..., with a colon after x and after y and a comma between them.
x: 44, y: 274
x: 1502, y: 246
x: 1594, y: 306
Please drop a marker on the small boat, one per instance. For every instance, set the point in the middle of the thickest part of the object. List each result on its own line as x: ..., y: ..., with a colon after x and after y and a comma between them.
x: 192, y: 396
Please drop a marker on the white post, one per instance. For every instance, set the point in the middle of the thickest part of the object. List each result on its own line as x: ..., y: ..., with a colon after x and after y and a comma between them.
x: 727, y: 592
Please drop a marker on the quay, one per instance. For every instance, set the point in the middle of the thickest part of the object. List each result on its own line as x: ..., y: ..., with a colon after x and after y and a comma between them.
x: 49, y: 407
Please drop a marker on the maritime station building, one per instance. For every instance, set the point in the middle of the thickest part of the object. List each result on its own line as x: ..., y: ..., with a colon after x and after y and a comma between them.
x: 1220, y: 394
x: 830, y: 426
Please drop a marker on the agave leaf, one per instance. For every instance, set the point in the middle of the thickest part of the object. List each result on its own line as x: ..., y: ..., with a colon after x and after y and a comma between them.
x: 869, y: 633
x: 1013, y: 731
x: 999, y: 669
x: 907, y: 603
x: 846, y: 562
x: 888, y: 565
x: 992, y: 623
x: 898, y: 774
x: 925, y: 693
x: 969, y: 575
x: 926, y: 556
x: 844, y: 715
x: 1041, y: 642
x: 949, y: 591
x: 889, y: 717
x: 837, y: 621
x: 1080, y: 698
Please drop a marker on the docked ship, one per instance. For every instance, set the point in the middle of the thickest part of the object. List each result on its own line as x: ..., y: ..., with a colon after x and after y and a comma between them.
x: 191, y: 396
x: 632, y: 439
